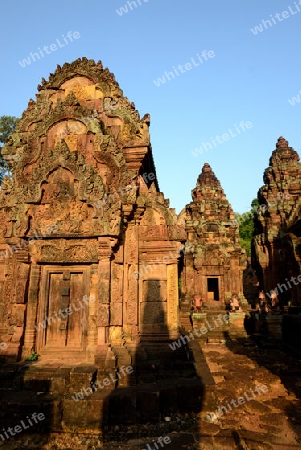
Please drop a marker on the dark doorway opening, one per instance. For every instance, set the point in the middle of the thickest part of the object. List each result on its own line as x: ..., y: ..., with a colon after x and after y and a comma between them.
x: 212, y: 289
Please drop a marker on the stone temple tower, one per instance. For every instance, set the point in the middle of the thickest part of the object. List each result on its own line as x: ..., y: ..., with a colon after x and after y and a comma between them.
x: 214, y: 260
x: 276, y: 247
x: 89, y: 247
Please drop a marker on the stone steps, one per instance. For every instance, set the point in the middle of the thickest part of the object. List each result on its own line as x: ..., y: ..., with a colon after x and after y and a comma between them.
x: 164, y: 382
x: 122, y: 355
x: 143, y: 403
x: 218, y: 328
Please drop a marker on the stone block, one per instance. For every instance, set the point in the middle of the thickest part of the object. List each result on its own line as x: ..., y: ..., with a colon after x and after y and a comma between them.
x: 122, y: 407
x: 97, y: 411
x: 148, y: 406
x: 74, y: 414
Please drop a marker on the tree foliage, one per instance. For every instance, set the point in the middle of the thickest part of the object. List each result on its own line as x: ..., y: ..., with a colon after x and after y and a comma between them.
x: 246, y: 226
x: 7, y: 126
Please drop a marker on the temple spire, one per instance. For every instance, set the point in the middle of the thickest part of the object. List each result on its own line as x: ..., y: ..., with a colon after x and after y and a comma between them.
x: 208, y: 186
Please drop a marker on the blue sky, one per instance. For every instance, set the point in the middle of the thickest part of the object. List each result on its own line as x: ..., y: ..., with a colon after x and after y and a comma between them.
x: 250, y: 78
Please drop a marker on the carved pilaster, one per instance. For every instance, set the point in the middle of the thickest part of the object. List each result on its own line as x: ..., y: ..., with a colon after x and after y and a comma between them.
x: 172, y: 298
x: 105, y: 246
x: 33, y: 293
x: 131, y: 277
x: 227, y: 278
x: 92, y: 318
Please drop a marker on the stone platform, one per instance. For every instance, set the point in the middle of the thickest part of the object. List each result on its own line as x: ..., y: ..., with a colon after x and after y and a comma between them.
x: 169, y: 393
x: 271, y: 421
x: 220, y: 325
x: 71, y: 398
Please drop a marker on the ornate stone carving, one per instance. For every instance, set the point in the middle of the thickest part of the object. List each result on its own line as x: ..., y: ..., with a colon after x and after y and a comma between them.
x: 276, y: 246
x: 79, y: 215
x: 65, y: 251
x: 103, y: 315
x: 214, y: 239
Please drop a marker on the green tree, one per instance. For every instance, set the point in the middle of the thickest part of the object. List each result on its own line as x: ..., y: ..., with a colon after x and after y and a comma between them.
x: 246, y: 226
x: 7, y: 126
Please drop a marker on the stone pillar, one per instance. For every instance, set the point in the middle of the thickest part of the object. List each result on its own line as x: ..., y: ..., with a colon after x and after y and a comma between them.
x: 197, y: 283
x: 102, y: 357
x: 131, y: 280
x: 172, y: 300
x: 183, y: 282
x: 227, y: 278
x: 190, y: 276
x: 31, y: 314
x: 92, y: 318
x: 234, y: 275
x: 240, y: 279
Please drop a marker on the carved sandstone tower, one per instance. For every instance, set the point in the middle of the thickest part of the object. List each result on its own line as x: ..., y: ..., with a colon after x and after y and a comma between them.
x: 276, y: 247
x: 214, y: 260
x: 89, y: 247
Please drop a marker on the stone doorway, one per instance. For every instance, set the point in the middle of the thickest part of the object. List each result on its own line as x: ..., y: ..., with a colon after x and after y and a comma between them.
x: 213, y: 289
x: 153, y: 309
x: 62, y: 319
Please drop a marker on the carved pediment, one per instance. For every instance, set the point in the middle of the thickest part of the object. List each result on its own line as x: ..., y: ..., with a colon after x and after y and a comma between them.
x: 65, y: 251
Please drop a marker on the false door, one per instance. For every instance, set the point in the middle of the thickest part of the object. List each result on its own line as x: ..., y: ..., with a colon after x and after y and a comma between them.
x: 62, y: 322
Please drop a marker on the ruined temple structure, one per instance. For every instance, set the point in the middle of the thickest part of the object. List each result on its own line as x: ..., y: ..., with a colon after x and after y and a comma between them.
x: 89, y: 246
x: 276, y: 247
x: 93, y: 262
x: 214, y: 261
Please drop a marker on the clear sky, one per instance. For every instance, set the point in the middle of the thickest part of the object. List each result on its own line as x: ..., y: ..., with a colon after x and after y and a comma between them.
x: 248, y: 78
